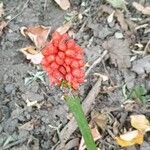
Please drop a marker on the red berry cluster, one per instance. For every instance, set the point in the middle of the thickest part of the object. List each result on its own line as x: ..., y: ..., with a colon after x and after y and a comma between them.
x: 63, y: 60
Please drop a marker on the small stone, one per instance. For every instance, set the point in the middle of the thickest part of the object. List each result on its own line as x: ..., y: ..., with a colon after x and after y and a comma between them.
x: 118, y: 35
x: 9, y: 88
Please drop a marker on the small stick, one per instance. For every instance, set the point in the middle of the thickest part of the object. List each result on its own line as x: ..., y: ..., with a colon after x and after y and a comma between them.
x: 14, y: 143
x: 97, y: 61
x: 146, y: 48
x: 67, y: 131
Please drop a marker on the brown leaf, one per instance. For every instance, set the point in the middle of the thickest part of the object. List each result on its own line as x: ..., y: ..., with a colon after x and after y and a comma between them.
x: 119, y: 52
x: 96, y: 136
x: 139, y: 7
x: 120, y: 17
x: 3, y: 24
x: 38, y: 34
x: 63, y: 29
x: 130, y: 138
x: 140, y: 123
x: 1, y: 9
x: 100, y: 120
x: 64, y: 4
x: 32, y: 54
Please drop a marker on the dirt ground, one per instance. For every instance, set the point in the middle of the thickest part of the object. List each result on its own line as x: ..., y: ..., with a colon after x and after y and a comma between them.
x: 31, y: 116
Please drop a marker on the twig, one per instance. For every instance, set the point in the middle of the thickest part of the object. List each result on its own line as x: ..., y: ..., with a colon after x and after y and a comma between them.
x: 97, y: 61
x: 45, y: 4
x: 87, y: 106
x: 146, y: 48
x: 24, y: 6
x: 14, y: 143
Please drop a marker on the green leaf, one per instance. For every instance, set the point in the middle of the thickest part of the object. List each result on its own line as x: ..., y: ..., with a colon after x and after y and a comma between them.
x: 75, y: 107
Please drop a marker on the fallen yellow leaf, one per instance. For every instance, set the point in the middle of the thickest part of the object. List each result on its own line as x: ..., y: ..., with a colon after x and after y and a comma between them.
x: 140, y: 123
x: 130, y: 138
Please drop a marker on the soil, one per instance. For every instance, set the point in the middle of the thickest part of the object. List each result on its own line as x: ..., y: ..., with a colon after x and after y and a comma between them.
x: 31, y: 116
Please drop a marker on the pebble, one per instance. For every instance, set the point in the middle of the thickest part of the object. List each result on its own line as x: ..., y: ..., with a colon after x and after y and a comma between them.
x: 118, y: 35
x: 9, y: 88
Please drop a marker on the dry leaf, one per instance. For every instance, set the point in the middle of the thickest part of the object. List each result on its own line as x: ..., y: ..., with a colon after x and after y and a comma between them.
x: 140, y: 123
x: 96, y: 136
x: 119, y: 51
x: 104, y: 77
x: 64, y: 4
x: 120, y: 17
x: 1, y: 9
x: 3, y: 24
x: 139, y: 7
x: 27, y: 126
x: 63, y: 29
x: 32, y: 54
x: 37, y: 34
x: 100, y: 120
x: 130, y: 138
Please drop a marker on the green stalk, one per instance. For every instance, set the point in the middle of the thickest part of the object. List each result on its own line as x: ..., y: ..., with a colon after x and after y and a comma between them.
x: 75, y: 107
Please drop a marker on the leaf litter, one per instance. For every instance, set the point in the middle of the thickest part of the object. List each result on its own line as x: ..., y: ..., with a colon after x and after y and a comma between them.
x: 133, y: 137
x: 38, y: 34
x: 139, y: 7
x: 119, y: 52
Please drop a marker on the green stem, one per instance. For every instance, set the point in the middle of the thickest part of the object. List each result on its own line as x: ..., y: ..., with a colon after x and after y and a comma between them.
x: 75, y: 107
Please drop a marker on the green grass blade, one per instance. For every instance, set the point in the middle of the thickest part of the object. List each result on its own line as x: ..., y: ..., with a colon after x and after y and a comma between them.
x: 75, y: 107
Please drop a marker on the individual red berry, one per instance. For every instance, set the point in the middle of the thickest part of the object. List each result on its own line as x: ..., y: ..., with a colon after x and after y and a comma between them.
x: 62, y: 46
x: 68, y: 69
x: 78, y: 48
x: 71, y: 44
x: 54, y: 65
x: 75, y: 85
x: 74, y: 64
x: 44, y: 62
x: 55, y: 43
x: 51, y: 58
x: 59, y: 61
x: 80, y: 80
x: 64, y: 37
x: 79, y: 56
x: 57, y: 75
x: 69, y: 77
x: 49, y: 70
x: 62, y: 70
x: 61, y: 55
x: 56, y: 36
x: 76, y: 73
x: 81, y: 63
x: 52, y: 49
x: 45, y: 51
x: 68, y: 60
x: 70, y: 53
x: 82, y: 74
